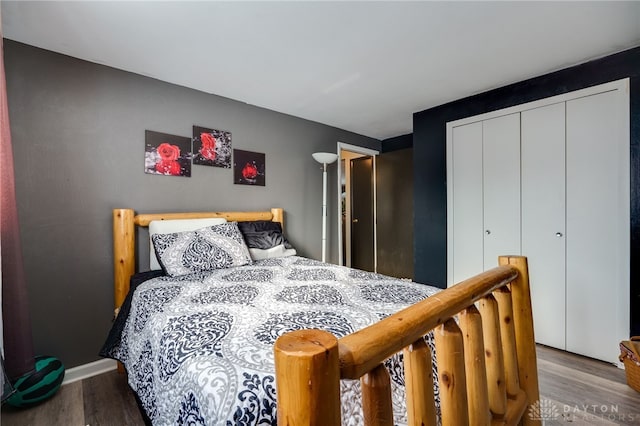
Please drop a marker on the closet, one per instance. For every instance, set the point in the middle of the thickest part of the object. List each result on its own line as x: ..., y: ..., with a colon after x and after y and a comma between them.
x: 550, y: 180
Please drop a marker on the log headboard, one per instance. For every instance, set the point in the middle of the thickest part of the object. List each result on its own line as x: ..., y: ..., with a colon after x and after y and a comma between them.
x: 124, y: 237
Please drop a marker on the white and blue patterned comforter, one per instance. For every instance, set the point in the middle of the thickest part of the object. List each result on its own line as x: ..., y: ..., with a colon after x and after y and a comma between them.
x: 198, y: 349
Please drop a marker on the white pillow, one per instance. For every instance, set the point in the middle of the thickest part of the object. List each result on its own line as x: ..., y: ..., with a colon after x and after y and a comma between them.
x: 177, y: 225
x: 275, y: 251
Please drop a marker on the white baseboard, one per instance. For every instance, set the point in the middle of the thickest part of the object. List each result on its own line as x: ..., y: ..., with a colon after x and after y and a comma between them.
x: 89, y: 370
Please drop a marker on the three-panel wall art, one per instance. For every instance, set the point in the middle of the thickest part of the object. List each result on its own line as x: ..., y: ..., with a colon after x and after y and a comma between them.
x: 172, y: 155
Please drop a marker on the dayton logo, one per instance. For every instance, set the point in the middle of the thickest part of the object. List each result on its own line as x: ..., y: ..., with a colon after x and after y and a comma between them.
x: 543, y: 409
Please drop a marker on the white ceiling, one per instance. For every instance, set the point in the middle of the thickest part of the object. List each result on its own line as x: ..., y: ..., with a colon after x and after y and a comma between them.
x: 363, y: 66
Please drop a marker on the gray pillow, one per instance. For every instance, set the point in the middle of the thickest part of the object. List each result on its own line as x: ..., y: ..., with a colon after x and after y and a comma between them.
x: 263, y: 234
x: 214, y: 247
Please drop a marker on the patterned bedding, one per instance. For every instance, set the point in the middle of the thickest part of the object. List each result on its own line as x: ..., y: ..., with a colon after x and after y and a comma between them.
x: 198, y: 349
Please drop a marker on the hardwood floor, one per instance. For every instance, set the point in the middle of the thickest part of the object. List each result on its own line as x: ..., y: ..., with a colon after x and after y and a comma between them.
x: 574, y: 390
x: 583, y: 391
x: 103, y: 400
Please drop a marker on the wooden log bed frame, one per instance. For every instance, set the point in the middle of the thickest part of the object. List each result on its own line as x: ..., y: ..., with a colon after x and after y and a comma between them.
x: 485, y: 349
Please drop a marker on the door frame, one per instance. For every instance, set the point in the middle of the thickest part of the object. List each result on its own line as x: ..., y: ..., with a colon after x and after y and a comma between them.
x: 364, y: 151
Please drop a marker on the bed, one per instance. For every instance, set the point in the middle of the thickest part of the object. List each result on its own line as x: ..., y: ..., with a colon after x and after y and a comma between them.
x: 343, y: 346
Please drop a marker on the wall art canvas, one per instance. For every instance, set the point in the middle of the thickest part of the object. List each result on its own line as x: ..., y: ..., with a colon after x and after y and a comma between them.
x: 211, y: 147
x: 248, y: 168
x: 166, y: 154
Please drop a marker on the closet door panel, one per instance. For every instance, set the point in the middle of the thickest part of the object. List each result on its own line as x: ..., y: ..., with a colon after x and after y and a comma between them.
x: 543, y: 218
x: 501, y: 187
x: 467, y: 201
x: 597, y: 215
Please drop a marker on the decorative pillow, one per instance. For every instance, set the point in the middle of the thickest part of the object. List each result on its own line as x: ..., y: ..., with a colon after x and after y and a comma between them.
x: 270, y: 253
x: 263, y: 234
x: 176, y: 225
x: 214, y: 247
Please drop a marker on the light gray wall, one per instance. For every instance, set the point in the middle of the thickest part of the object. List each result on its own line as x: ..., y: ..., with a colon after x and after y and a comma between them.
x: 78, y: 137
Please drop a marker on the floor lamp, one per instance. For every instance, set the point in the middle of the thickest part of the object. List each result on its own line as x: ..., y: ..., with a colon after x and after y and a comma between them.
x: 324, y: 158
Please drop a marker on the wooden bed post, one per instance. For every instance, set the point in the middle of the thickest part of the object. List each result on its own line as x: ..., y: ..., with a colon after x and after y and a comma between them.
x: 418, y: 376
x: 278, y: 216
x: 307, y: 378
x: 377, y: 406
x: 525, y: 340
x: 508, y: 338
x: 493, y: 356
x: 123, y: 252
x: 475, y: 368
x: 451, y: 374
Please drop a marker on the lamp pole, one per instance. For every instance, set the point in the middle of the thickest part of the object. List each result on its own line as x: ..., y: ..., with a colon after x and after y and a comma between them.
x: 324, y: 212
x: 324, y: 158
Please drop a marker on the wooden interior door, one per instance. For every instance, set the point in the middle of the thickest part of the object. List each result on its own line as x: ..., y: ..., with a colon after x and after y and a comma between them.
x: 394, y: 207
x: 362, y: 234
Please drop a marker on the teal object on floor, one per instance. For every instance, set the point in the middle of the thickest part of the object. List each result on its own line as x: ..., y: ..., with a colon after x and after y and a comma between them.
x: 38, y: 385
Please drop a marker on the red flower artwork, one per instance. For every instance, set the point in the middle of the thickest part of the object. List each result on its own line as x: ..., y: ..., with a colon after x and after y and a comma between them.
x: 168, y: 164
x: 248, y: 168
x: 208, y: 148
x: 249, y: 171
x: 168, y: 151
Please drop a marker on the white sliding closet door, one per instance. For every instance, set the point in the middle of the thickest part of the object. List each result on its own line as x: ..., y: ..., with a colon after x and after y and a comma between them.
x: 467, y: 201
x: 543, y: 218
x: 501, y: 187
x: 597, y: 224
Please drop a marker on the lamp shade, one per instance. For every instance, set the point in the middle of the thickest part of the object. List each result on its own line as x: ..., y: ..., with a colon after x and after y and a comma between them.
x: 324, y: 157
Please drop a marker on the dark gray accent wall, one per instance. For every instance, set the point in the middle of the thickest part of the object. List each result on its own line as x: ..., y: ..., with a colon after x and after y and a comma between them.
x: 398, y: 142
x: 429, y: 158
x: 78, y: 136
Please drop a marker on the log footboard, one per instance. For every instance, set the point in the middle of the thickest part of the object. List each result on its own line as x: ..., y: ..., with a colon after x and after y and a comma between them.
x: 487, y: 369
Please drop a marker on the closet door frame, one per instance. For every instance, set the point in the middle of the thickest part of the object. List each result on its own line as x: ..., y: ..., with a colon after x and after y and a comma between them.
x: 622, y: 85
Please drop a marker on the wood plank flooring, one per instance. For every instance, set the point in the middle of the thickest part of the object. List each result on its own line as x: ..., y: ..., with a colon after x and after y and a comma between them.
x: 583, y: 391
x: 574, y: 390
x: 103, y: 400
